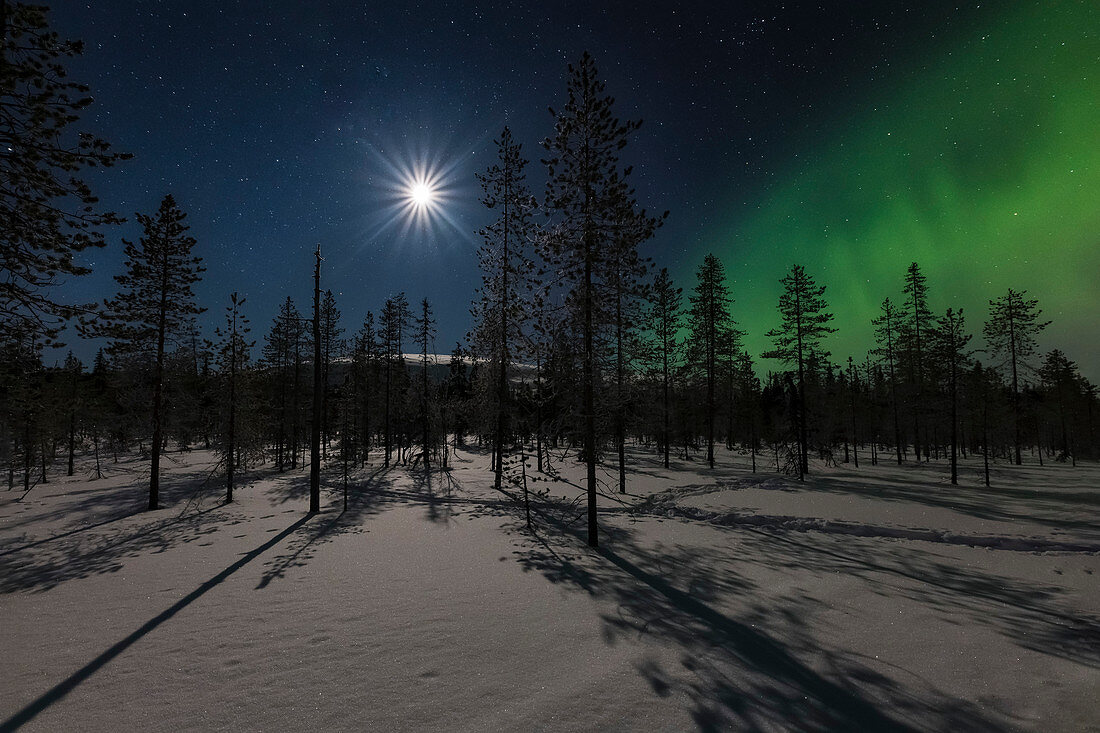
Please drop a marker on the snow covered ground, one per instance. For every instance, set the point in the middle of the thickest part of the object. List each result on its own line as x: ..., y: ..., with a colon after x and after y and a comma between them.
x: 878, y: 598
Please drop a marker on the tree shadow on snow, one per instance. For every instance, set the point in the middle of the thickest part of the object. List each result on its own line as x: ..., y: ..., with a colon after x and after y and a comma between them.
x: 762, y: 670
x: 63, y: 688
x: 106, y: 528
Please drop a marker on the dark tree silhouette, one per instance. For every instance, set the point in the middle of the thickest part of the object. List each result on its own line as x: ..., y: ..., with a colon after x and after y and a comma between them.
x: 665, y: 316
x: 711, y: 325
x: 948, y: 341
x: 506, y: 270
x: 394, y: 320
x: 1010, y: 334
x: 155, y: 303
x: 798, y: 340
x: 1058, y: 376
x: 282, y: 351
x: 425, y: 335
x: 47, y: 213
x: 587, y: 192
x: 915, y: 324
x: 318, y: 391
x: 330, y: 344
x: 233, y: 354
x: 886, y: 335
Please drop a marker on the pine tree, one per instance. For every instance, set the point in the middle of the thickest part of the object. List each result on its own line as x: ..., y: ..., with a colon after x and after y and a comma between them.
x: 949, y: 340
x: 393, y: 322
x: 318, y: 391
x: 1059, y: 378
x: 626, y: 292
x: 798, y: 340
x: 330, y: 344
x: 506, y: 270
x: 853, y: 390
x: 711, y: 325
x: 1010, y: 334
x: 74, y: 371
x: 233, y: 355
x: 425, y: 332
x: 914, y: 328
x: 456, y: 390
x: 47, y: 213
x: 280, y: 351
x: 588, y: 194
x: 366, y: 362
x: 886, y: 334
x: 665, y: 316
x: 155, y: 303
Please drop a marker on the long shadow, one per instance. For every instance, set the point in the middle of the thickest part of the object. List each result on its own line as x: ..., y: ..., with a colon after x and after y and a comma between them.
x: 741, y: 673
x: 926, y: 486
x: 63, y: 688
x: 659, y: 506
x: 366, y: 497
x: 1031, y: 614
x: 81, y: 555
x: 108, y: 502
x: 62, y: 535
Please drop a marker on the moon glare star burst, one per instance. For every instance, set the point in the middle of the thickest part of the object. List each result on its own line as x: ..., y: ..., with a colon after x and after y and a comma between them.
x: 422, y: 195
x: 419, y: 198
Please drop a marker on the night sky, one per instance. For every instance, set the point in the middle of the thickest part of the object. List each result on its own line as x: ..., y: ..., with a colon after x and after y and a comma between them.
x: 853, y: 138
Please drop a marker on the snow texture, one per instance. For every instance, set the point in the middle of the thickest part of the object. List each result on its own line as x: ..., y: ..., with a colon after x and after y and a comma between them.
x: 878, y: 598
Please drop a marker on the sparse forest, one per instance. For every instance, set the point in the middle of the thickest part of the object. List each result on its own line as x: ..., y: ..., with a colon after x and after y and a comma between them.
x: 577, y: 349
x: 615, y: 501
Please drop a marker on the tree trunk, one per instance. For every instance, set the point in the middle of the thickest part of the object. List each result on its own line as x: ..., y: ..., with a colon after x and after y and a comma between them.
x: 318, y: 388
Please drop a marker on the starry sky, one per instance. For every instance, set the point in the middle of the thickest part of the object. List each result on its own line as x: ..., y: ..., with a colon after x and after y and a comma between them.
x: 851, y: 137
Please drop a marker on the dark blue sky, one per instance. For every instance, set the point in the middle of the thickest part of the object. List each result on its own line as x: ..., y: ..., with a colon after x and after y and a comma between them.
x: 274, y: 124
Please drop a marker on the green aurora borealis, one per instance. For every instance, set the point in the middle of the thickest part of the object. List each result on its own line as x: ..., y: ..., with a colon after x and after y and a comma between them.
x: 981, y: 162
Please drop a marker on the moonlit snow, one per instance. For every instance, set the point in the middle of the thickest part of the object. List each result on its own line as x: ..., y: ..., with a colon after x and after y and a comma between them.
x: 878, y: 598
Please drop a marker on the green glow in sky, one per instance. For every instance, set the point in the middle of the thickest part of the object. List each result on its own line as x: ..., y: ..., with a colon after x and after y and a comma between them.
x: 982, y: 163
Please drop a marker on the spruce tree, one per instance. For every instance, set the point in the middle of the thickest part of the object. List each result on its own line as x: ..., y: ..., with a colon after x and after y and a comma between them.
x: 949, y: 340
x: 278, y: 352
x: 233, y: 355
x: 366, y: 361
x: 914, y: 329
x: 73, y: 371
x: 711, y: 325
x: 886, y: 335
x: 425, y: 334
x: 626, y: 292
x: 588, y: 195
x: 665, y: 316
x: 1010, y: 334
x: 47, y: 213
x: 392, y: 324
x: 330, y: 345
x: 318, y: 391
x: 154, y: 304
x: 506, y: 271
x: 1059, y: 378
x: 798, y: 341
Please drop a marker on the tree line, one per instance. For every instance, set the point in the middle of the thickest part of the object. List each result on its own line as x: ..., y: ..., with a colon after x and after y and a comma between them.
x: 580, y: 346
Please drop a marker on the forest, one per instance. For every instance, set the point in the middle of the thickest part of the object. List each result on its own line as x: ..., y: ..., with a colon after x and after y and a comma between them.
x: 600, y: 509
x: 580, y: 344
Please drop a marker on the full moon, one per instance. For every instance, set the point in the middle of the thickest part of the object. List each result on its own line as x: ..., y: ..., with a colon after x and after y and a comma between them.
x: 421, y: 194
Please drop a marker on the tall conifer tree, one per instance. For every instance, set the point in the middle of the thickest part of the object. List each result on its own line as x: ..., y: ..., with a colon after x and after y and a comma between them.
x: 711, y: 325
x: 1010, y: 334
x: 47, y: 213
x: 798, y: 340
x: 665, y: 315
x: 591, y: 201
x: 505, y: 275
x: 154, y: 304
